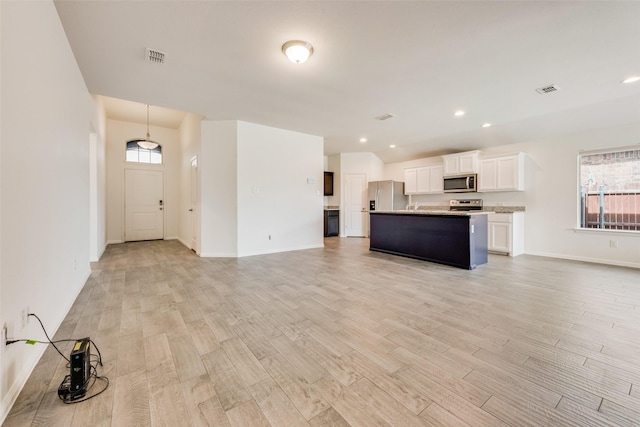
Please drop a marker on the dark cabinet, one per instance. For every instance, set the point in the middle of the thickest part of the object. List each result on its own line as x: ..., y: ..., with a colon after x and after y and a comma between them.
x: 331, y: 223
x: 328, y: 183
x: 457, y: 240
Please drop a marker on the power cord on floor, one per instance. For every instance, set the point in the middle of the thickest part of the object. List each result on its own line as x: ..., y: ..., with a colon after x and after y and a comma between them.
x: 71, y: 396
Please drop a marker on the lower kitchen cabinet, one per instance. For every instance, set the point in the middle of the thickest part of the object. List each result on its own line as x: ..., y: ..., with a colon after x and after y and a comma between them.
x: 331, y: 223
x: 506, y: 233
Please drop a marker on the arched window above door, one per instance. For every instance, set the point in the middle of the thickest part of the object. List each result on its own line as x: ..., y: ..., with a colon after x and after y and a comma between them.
x: 137, y: 154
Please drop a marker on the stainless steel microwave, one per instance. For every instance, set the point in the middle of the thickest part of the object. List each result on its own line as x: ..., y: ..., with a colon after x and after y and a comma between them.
x: 460, y: 183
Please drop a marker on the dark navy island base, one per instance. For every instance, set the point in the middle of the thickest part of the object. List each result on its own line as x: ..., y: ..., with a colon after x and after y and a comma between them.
x: 459, y: 240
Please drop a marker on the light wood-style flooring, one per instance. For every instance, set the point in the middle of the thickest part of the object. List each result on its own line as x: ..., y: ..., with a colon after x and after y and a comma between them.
x: 342, y: 336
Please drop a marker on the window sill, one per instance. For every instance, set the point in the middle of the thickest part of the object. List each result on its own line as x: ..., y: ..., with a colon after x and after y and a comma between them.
x: 605, y: 231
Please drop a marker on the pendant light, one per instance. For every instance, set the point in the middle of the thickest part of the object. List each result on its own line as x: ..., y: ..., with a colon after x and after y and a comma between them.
x: 146, y: 143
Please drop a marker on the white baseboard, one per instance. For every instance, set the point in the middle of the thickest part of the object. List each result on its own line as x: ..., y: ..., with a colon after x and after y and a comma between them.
x: 246, y: 254
x: 585, y: 259
x: 279, y: 250
x: 219, y: 255
x: 100, y: 253
x: 185, y: 244
x: 114, y: 242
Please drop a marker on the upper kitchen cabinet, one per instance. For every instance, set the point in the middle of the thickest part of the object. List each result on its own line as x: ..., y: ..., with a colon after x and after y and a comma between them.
x: 410, y: 181
x: 503, y: 173
x: 423, y: 180
x: 460, y: 163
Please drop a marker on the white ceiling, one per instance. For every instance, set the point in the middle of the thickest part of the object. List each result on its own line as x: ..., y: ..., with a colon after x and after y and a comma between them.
x: 418, y: 60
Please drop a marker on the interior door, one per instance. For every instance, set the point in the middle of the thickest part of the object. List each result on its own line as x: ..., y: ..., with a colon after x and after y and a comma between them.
x: 144, y: 205
x: 355, y: 213
x: 194, y: 203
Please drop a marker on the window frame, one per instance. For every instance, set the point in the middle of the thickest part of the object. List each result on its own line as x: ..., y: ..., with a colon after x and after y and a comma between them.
x: 580, y: 209
x: 127, y: 149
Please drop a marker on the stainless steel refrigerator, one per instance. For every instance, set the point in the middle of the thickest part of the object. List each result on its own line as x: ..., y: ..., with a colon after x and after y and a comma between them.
x: 386, y: 196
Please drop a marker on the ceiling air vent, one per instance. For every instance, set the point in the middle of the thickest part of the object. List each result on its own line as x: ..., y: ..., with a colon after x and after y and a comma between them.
x: 385, y: 116
x: 155, y: 56
x: 547, y: 89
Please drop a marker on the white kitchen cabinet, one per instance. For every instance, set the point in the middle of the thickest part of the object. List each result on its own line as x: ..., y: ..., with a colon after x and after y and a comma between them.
x: 504, y: 173
x: 423, y: 180
x: 410, y: 183
x: 506, y: 233
x: 460, y: 163
x: 436, y: 183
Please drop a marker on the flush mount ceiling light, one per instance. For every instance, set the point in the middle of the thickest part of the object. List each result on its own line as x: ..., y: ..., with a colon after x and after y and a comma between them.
x: 297, y: 51
x: 146, y: 143
x: 459, y: 113
x: 392, y: 146
x: 486, y: 125
x: 363, y: 140
x: 632, y: 79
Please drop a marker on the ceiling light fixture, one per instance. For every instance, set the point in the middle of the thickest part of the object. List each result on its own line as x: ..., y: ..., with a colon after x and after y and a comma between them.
x: 146, y: 143
x: 298, y: 51
x: 486, y: 125
x: 631, y: 79
x: 392, y: 146
x: 363, y: 140
x: 459, y: 113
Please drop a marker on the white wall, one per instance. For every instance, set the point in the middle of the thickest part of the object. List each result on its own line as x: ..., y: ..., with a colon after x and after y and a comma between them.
x: 366, y: 163
x: 118, y: 132
x: 280, y: 190
x: 97, y: 179
x: 218, y: 189
x: 551, y: 196
x: 44, y: 182
x: 190, y: 137
x: 254, y: 184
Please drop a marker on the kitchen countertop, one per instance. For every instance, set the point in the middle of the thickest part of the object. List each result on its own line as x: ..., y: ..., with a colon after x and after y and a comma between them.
x: 433, y: 212
x: 496, y: 209
x: 504, y: 209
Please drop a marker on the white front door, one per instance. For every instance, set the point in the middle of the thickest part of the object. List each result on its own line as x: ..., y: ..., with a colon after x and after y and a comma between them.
x: 193, y: 210
x: 144, y: 205
x: 355, y: 215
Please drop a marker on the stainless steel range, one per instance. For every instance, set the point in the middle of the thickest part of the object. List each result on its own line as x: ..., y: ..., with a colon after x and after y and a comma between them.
x: 465, y: 204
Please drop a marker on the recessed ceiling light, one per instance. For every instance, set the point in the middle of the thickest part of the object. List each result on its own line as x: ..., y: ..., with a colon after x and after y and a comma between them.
x: 392, y: 146
x: 363, y: 140
x: 632, y: 79
x: 459, y: 113
x: 486, y: 125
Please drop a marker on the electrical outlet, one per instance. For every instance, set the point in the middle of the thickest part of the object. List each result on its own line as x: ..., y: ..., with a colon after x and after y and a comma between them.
x: 4, y: 336
x: 7, y: 331
x: 24, y: 317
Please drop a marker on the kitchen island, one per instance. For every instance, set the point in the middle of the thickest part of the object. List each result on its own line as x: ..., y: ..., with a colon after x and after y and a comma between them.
x: 454, y: 238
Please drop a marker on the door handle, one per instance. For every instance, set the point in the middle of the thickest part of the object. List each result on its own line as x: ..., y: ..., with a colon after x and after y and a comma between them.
x: 190, y: 210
